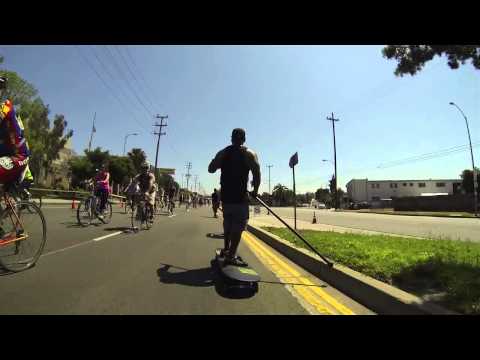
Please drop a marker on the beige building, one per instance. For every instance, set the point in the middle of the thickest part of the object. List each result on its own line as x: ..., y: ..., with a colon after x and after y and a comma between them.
x: 60, y: 176
x: 376, y: 190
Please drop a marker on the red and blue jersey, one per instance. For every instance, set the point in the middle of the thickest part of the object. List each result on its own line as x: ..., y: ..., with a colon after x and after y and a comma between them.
x: 12, y: 137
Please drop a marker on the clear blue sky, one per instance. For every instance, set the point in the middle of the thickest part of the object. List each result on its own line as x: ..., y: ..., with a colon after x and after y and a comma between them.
x: 281, y: 95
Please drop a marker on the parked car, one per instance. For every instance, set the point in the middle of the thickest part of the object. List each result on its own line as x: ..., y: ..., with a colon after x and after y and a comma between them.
x: 320, y: 206
x: 360, y: 205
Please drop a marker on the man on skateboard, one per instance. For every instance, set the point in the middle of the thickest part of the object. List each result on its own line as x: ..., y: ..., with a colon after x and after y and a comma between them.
x: 235, y: 162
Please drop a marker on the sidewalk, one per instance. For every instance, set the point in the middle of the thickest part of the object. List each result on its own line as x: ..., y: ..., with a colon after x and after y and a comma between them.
x: 271, y: 221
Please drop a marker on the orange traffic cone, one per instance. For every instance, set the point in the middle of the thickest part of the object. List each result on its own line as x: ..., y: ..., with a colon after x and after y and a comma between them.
x: 73, y: 203
x: 314, y: 220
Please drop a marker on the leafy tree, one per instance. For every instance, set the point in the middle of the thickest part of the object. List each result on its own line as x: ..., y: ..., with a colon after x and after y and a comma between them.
x: 18, y: 90
x: 82, y: 169
x: 35, y: 119
x: 138, y: 157
x: 467, y: 180
x: 282, y: 195
x: 323, y: 196
x: 98, y: 157
x: 121, y: 169
x: 412, y: 58
x: 55, y: 140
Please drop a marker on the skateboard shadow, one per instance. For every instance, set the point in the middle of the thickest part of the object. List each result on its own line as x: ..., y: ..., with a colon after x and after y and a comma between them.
x: 215, y: 236
x: 204, y: 277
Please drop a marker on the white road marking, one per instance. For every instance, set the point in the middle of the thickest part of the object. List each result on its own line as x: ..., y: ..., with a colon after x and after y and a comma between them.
x: 67, y: 248
x: 107, y: 236
x: 81, y: 244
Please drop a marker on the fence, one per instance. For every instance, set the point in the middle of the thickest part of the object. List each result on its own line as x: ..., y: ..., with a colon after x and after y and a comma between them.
x: 434, y: 203
x: 65, y: 194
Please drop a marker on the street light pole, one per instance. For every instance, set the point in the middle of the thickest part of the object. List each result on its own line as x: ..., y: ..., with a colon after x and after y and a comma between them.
x: 475, y: 190
x: 125, y: 143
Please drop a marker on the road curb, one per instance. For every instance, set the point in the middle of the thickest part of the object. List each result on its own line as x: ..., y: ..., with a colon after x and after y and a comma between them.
x: 382, y: 298
x: 430, y: 215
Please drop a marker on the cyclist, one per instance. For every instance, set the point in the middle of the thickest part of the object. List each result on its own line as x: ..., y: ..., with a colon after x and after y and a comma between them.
x: 146, y: 181
x: 130, y: 190
x: 14, y: 150
x: 102, y: 188
x: 171, y: 198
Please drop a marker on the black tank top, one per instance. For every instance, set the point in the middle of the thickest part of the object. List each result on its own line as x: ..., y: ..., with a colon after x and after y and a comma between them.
x: 234, y: 178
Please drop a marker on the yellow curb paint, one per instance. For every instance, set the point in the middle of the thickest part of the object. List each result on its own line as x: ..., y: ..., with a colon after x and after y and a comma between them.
x: 283, y: 270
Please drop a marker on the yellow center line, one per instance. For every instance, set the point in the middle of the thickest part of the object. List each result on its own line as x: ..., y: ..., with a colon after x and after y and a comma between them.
x: 284, y: 270
x: 301, y: 290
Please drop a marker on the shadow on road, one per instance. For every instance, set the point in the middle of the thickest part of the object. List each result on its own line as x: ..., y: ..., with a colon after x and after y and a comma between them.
x: 125, y: 229
x: 203, y: 277
x: 196, y: 277
x: 4, y: 272
x: 75, y: 224
x: 215, y: 236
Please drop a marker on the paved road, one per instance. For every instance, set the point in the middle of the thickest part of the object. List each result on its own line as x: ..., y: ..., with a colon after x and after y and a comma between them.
x: 424, y: 226
x: 165, y: 270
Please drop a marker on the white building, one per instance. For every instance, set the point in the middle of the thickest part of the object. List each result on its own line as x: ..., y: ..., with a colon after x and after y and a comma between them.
x: 376, y: 190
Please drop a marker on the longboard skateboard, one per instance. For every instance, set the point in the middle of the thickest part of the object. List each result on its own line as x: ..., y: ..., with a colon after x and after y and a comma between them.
x: 237, y: 277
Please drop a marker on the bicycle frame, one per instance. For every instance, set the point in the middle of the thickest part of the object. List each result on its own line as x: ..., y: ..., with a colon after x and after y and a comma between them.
x: 9, y: 205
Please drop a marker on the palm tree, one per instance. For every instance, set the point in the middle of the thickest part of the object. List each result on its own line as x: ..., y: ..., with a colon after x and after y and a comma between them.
x: 279, y: 194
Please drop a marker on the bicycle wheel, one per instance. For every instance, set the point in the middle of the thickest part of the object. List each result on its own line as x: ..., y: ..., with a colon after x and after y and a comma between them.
x: 137, y: 217
x: 84, y: 212
x: 31, y: 230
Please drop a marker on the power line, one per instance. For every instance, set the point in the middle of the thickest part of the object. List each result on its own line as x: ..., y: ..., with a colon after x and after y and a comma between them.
x: 129, y: 54
x: 129, y: 86
x: 428, y: 156
x: 112, y: 93
x: 124, y: 94
x: 133, y: 75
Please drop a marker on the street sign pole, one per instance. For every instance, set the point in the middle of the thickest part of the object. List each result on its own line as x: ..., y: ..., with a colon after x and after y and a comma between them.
x: 294, y: 199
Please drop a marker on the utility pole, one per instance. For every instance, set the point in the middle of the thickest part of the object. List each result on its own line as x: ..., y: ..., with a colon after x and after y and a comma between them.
x: 183, y: 184
x: 188, y: 166
x: 160, y: 126
x: 333, y: 120
x: 475, y: 183
x: 269, y: 188
x: 196, y: 177
x: 91, y: 134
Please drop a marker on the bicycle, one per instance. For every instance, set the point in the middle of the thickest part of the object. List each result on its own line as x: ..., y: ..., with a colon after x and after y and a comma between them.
x: 142, y: 214
x: 159, y: 205
x: 23, y: 231
x: 128, y: 204
x: 89, y: 209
